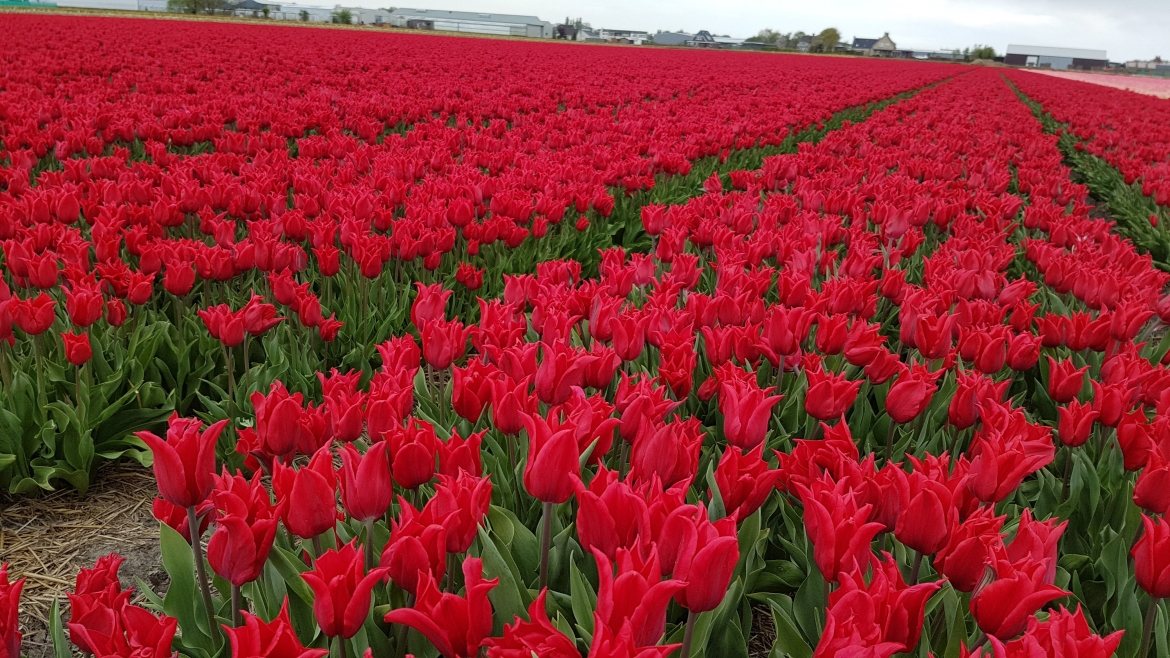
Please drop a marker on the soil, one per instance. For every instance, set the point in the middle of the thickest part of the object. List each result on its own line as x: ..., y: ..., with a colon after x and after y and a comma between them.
x: 46, y: 539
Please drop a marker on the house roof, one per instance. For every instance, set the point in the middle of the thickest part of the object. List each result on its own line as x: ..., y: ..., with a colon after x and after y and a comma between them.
x: 441, y: 14
x: 248, y: 5
x: 863, y: 44
x: 1043, y: 51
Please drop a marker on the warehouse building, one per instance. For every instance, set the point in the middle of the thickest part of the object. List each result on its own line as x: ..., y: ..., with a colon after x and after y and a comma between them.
x: 473, y: 22
x: 1059, y: 59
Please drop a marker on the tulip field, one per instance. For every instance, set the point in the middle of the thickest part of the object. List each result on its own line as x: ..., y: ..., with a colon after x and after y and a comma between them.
x: 454, y: 347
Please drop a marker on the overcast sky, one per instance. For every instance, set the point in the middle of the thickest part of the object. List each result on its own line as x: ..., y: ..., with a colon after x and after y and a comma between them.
x: 1127, y: 29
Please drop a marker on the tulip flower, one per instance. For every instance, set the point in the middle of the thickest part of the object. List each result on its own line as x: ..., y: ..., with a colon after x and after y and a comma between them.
x: 245, y: 529
x: 611, y: 515
x: 256, y: 638
x: 535, y: 637
x: 416, y: 550
x: 1004, y: 453
x: 1076, y: 423
x: 510, y: 404
x: 744, y: 481
x: 278, y: 420
x: 1151, y: 556
x: 636, y: 598
x: 77, y: 348
x: 705, y: 559
x: 365, y: 482
x: 1063, y: 634
x: 837, y: 527
x: 1003, y: 607
x: 341, y: 594
x: 259, y: 317
x: 443, y: 342
x: 184, y: 463
x: 461, y: 455
x: 829, y: 395
x: 973, y: 546
x: 561, y: 368
x: 412, y: 453
x: 1152, y: 491
x: 33, y: 316
x: 308, y: 494
x: 224, y: 325
x: 10, y: 635
x: 84, y: 305
x: 925, y: 522
x: 429, y: 304
x: 667, y: 451
x: 911, y: 393
x: 460, y: 505
x: 1037, y: 540
x: 746, y: 410
x: 1065, y: 380
x: 456, y: 626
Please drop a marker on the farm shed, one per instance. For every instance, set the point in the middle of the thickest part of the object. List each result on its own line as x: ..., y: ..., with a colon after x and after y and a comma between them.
x: 1058, y: 59
x: 469, y: 21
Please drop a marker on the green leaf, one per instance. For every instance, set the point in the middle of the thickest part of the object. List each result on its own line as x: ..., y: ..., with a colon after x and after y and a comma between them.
x: 183, y: 600
x: 57, y: 632
x: 505, y: 597
x: 788, y: 637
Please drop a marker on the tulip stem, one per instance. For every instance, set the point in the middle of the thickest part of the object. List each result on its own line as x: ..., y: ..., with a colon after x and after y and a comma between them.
x: 369, y: 545
x: 1068, y: 463
x: 318, y: 547
x: 689, y: 635
x: 545, y: 542
x: 890, y: 440
x: 1148, y: 627
x: 5, y: 373
x: 914, y: 571
x: 237, y: 598
x: 201, y: 570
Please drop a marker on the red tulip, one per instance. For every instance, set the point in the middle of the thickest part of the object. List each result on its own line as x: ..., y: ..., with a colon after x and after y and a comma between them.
x: 308, y: 494
x: 412, y: 453
x: 612, y: 515
x: 1065, y: 380
x: 274, y: 639
x: 259, y: 317
x: 560, y: 369
x: 746, y: 410
x: 1151, y: 557
x: 1063, y: 634
x: 460, y: 505
x: 553, y: 461
x: 973, y: 546
x: 10, y: 635
x: 1003, y: 607
x: 667, y: 451
x: 416, y: 550
x: 278, y: 420
x: 77, y: 348
x: 341, y: 594
x: 430, y: 304
x: 705, y: 558
x: 471, y: 389
x: 456, y: 626
x: 911, y: 393
x: 1076, y: 423
x: 245, y: 529
x: 33, y: 316
x: 184, y: 464
x: 460, y: 455
x: 1152, y: 491
x: 744, y: 481
x: 511, y: 403
x: 829, y: 395
x: 636, y: 598
x: 925, y: 522
x: 84, y: 305
x: 365, y: 482
x: 443, y: 342
x: 179, y: 278
x: 535, y: 637
x: 838, y: 528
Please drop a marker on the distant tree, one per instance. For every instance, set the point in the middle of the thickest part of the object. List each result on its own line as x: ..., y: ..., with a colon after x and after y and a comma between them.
x: 343, y: 16
x: 979, y: 52
x: 304, y: 16
x: 1158, y: 59
x: 829, y: 37
x: 798, y: 35
x: 265, y: 11
x: 767, y: 35
x: 194, y: 6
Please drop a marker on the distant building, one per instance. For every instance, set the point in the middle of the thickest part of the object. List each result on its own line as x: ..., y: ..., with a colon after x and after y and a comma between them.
x: 1148, y: 65
x: 1059, y: 59
x: 289, y: 11
x: 883, y: 46
x: 804, y: 44
x: 635, y: 37
x: 704, y: 39
x: 472, y: 22
x: 672, y: 38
